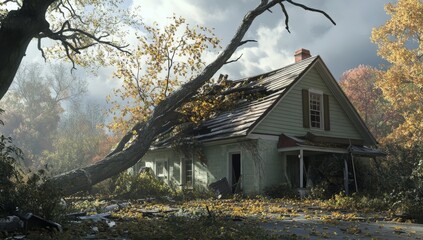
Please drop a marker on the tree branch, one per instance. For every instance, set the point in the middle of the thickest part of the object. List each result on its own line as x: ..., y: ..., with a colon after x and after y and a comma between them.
x: 41, y: 49
x: 121, y: 145
x: 235, y: 60
x: 75, y: 37
x: 312, y: 10
x: 246, y: 41
x: 286, y: 17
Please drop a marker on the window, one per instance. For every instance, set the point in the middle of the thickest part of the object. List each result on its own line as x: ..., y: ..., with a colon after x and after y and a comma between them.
x: 161, y: 169
x: 188, y: 173
x: 316, y: 110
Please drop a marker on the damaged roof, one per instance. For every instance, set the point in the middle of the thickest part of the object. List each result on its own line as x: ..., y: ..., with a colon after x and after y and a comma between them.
x: 238, y: 121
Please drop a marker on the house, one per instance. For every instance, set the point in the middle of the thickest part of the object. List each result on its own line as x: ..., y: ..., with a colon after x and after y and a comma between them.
x: 300, y: 117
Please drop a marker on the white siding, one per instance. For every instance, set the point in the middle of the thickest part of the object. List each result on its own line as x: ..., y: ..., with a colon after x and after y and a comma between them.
x: 286, y: 117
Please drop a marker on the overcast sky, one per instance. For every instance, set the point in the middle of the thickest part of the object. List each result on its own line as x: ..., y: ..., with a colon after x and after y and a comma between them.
x: 342, y: 47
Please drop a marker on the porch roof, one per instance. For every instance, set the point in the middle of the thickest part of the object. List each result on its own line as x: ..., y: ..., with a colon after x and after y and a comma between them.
x: 311, y: 142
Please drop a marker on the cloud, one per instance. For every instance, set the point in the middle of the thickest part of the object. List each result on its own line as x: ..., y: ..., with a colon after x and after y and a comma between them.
x: 263, y: 56
x: 160, y: 10
x: 342, y: 47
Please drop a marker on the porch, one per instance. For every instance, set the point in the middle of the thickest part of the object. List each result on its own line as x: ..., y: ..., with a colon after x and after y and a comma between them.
x: 303, y: 155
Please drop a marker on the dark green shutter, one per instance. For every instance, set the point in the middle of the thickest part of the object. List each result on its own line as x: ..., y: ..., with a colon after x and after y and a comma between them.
x: 306, y: 109
x: 326, y: 112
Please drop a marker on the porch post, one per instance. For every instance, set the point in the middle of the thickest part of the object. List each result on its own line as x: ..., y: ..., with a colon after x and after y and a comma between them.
x: 346, y: 176
x: 301, y: 169
x: 355, y: 176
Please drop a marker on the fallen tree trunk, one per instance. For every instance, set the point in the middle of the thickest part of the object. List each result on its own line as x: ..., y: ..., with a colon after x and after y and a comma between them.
x: 163, y: 117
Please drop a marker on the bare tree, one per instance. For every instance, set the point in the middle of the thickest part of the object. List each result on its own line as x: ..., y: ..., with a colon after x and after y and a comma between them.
x: 73, y: 30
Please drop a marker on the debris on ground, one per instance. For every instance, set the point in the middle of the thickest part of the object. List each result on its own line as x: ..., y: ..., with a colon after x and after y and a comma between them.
x: 221, y: 187
x: 11, y: 223
x: 233, y: 218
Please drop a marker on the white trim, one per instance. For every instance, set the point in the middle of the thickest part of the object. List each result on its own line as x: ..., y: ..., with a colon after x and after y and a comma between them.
x: 263, y: 136
x: 314, y: 149
x: 285, y: 94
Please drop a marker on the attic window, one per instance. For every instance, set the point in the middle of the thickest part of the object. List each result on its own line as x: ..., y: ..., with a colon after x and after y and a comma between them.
x: 316, y: 110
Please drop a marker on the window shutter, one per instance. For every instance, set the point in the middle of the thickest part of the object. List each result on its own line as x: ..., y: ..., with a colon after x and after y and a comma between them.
x: 306, y: 109
x: 326, y: 111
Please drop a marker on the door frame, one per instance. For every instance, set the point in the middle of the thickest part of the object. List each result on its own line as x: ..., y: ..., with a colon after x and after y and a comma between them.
x: 229, y: 169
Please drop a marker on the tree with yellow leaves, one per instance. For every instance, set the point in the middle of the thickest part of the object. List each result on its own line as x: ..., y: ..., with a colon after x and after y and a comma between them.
x: 400, y: 43
x: 164, y: 58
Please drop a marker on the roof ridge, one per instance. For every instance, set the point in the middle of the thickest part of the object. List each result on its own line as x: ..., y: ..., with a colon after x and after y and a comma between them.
x: 266, y: 74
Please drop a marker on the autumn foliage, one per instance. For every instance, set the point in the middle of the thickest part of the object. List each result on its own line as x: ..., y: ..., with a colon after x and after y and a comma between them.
x: 400, y: 43
x: 162, y: 61
x: 359, y: 84
x: 391, y: 103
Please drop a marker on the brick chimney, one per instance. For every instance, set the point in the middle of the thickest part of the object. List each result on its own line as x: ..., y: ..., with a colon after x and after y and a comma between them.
x: 301, y: 54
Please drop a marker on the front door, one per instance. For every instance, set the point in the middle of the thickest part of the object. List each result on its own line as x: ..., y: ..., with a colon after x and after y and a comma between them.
x: 235, y: 171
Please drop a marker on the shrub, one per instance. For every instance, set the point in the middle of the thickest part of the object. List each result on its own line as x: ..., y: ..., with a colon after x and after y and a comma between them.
x: 320, y: 191
x: 281, y: 191
x: 105, y: 188
x: 141, y: 185
x: 40, y: 197
x: 10, y: 175
x: 342, y: 201
x: 25, y: 192
x: 194, y: 194
x: 357, y: 202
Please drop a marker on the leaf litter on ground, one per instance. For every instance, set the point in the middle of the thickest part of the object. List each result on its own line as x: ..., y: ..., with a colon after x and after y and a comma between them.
x: 235, y: 218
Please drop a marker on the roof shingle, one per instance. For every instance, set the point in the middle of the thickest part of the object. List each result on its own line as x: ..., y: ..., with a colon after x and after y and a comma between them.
x: 237, y: 122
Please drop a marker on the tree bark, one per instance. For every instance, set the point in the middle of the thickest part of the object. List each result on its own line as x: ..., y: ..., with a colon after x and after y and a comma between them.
x: 17, y: 30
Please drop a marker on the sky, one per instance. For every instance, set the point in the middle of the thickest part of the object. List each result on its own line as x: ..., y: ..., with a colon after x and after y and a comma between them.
x: 342, y: 47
